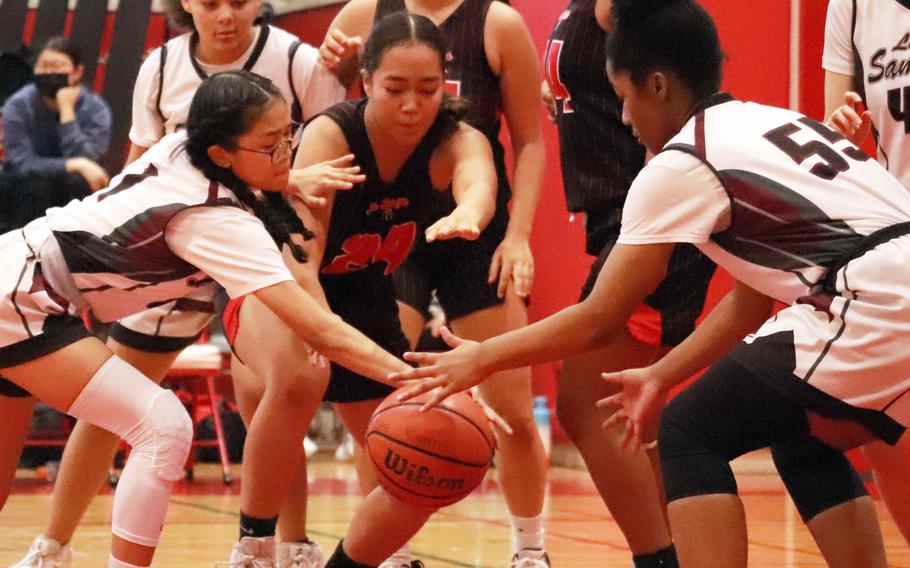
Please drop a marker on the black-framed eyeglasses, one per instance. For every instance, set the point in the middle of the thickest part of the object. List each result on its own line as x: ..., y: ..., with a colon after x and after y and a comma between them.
x: 284, y: 148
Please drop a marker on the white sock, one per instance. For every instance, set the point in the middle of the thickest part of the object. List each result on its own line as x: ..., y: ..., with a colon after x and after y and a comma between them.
x: 402, y: 556
x: 114, y: 563
x: 527, y: 532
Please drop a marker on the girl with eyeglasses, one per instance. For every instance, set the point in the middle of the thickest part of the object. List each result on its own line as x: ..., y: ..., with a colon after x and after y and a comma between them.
x: 188, y: 211
x: 411, y: 143
x: 225, y: 35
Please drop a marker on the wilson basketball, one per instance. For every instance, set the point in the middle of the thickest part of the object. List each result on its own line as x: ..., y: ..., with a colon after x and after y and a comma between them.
x: 433, y: 458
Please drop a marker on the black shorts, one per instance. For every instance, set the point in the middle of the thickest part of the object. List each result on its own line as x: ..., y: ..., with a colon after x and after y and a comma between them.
x: 368, y: 304
x: 457, y: 270
x: 601, y: 228
x: 668, y: 315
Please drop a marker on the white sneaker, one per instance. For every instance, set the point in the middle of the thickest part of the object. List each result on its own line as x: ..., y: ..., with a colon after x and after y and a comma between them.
x: 46, y: 553
x: 345, y: 450
x: 252, y: 552
x: 298, y: 555
x: 530, y: 558
x: 309, y: 446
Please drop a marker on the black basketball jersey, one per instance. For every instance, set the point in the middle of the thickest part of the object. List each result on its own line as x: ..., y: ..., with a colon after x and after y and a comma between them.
x: 599, y: 155
x: 468, y: 74
x: 375, y: 224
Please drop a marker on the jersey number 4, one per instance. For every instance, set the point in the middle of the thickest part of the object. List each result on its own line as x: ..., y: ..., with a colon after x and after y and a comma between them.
x: 833, y: 161
x: 551, y: 68
x: 359, y: 251
x: 899, y: 106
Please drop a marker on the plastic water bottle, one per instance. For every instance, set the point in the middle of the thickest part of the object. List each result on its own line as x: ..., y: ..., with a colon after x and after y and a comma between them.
x: 542, y: 419
x: 48, y: 471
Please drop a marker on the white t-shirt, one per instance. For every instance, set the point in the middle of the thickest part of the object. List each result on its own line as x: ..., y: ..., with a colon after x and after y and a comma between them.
x: 881, y: 38
x: 316, y: 87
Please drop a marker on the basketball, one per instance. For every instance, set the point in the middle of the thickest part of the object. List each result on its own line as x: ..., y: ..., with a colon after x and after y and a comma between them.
x: 434, y: 458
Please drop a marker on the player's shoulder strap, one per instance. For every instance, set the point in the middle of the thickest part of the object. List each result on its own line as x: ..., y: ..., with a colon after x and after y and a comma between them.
x: 858, y: 84
x: 296, y: 108
x: 161, y: 63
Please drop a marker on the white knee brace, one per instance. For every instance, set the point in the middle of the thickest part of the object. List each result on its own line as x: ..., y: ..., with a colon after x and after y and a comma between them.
x: 152, y: 420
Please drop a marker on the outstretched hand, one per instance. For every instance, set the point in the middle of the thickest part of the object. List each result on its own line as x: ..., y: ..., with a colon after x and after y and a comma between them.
x: 443, y: 373
x: 640, y: 401
x: 457, y: 225
x: 313, y: 183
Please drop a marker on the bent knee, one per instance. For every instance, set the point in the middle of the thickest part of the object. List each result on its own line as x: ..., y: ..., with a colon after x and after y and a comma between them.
x: 691, y: 465
x: 171, y: 436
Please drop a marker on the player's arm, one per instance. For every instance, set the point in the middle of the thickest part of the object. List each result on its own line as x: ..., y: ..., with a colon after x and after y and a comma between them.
x: 201, y: 235
x: 740, y: 313
x: 468, y: 160
x: 630, y: 273
x: 327, y: 333
x: 644, y: 390
x: 842, y: 105
x: 341, y: 48
x: 136, y: 152
x: 516, y: 60
x: 147, y: 126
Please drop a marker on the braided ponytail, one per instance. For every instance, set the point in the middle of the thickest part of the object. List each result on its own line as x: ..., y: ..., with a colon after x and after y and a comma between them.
x: 224, y: 107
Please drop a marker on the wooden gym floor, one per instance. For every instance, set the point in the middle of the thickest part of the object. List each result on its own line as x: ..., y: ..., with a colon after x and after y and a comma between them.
x: 202, y: 522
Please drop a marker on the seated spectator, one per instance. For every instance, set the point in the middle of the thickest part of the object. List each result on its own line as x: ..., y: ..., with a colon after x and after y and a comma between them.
x: 55, y: 131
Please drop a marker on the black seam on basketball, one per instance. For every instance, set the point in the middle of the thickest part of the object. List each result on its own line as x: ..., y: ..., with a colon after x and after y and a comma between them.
x: 394, y: 482
x: 490, y: 445
x: 429, y: 453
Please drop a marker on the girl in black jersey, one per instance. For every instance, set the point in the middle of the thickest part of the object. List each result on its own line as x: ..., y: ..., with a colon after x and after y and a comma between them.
x: 184, y: 213
x: 482, y: 286
x: 411, y: 144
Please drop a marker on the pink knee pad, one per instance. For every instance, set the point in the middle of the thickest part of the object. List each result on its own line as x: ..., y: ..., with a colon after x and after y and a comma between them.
x: 152, y: 420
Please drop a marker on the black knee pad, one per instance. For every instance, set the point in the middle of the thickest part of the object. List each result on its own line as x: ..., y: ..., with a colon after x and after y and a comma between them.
x: 817, y: 476
x: 690, y: 465
x: 10, y: 389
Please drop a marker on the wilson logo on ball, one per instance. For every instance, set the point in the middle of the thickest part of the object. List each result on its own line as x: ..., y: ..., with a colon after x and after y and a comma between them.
x: 418, y: 475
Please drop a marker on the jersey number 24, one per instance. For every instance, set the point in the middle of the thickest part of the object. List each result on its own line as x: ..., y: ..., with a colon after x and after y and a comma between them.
x: 359, y: 251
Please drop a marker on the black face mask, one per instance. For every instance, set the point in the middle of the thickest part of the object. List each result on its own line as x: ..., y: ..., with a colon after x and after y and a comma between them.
x: 49, y: 83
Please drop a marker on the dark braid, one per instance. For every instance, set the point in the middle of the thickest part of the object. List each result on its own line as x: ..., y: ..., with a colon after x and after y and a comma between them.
x: 223, y: 108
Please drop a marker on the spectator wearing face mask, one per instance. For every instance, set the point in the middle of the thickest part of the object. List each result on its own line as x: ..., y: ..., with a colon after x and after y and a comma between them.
x: 55, y: 132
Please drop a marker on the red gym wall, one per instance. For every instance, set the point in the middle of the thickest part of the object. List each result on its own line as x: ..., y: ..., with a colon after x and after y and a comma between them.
x: 756, y: 38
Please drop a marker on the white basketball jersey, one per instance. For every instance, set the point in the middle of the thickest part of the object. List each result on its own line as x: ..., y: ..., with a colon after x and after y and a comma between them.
x: 870, y: 40
x: 113, y: 242
x: 157, y: 112
x: 799, y: 197
x: 800, y: 194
